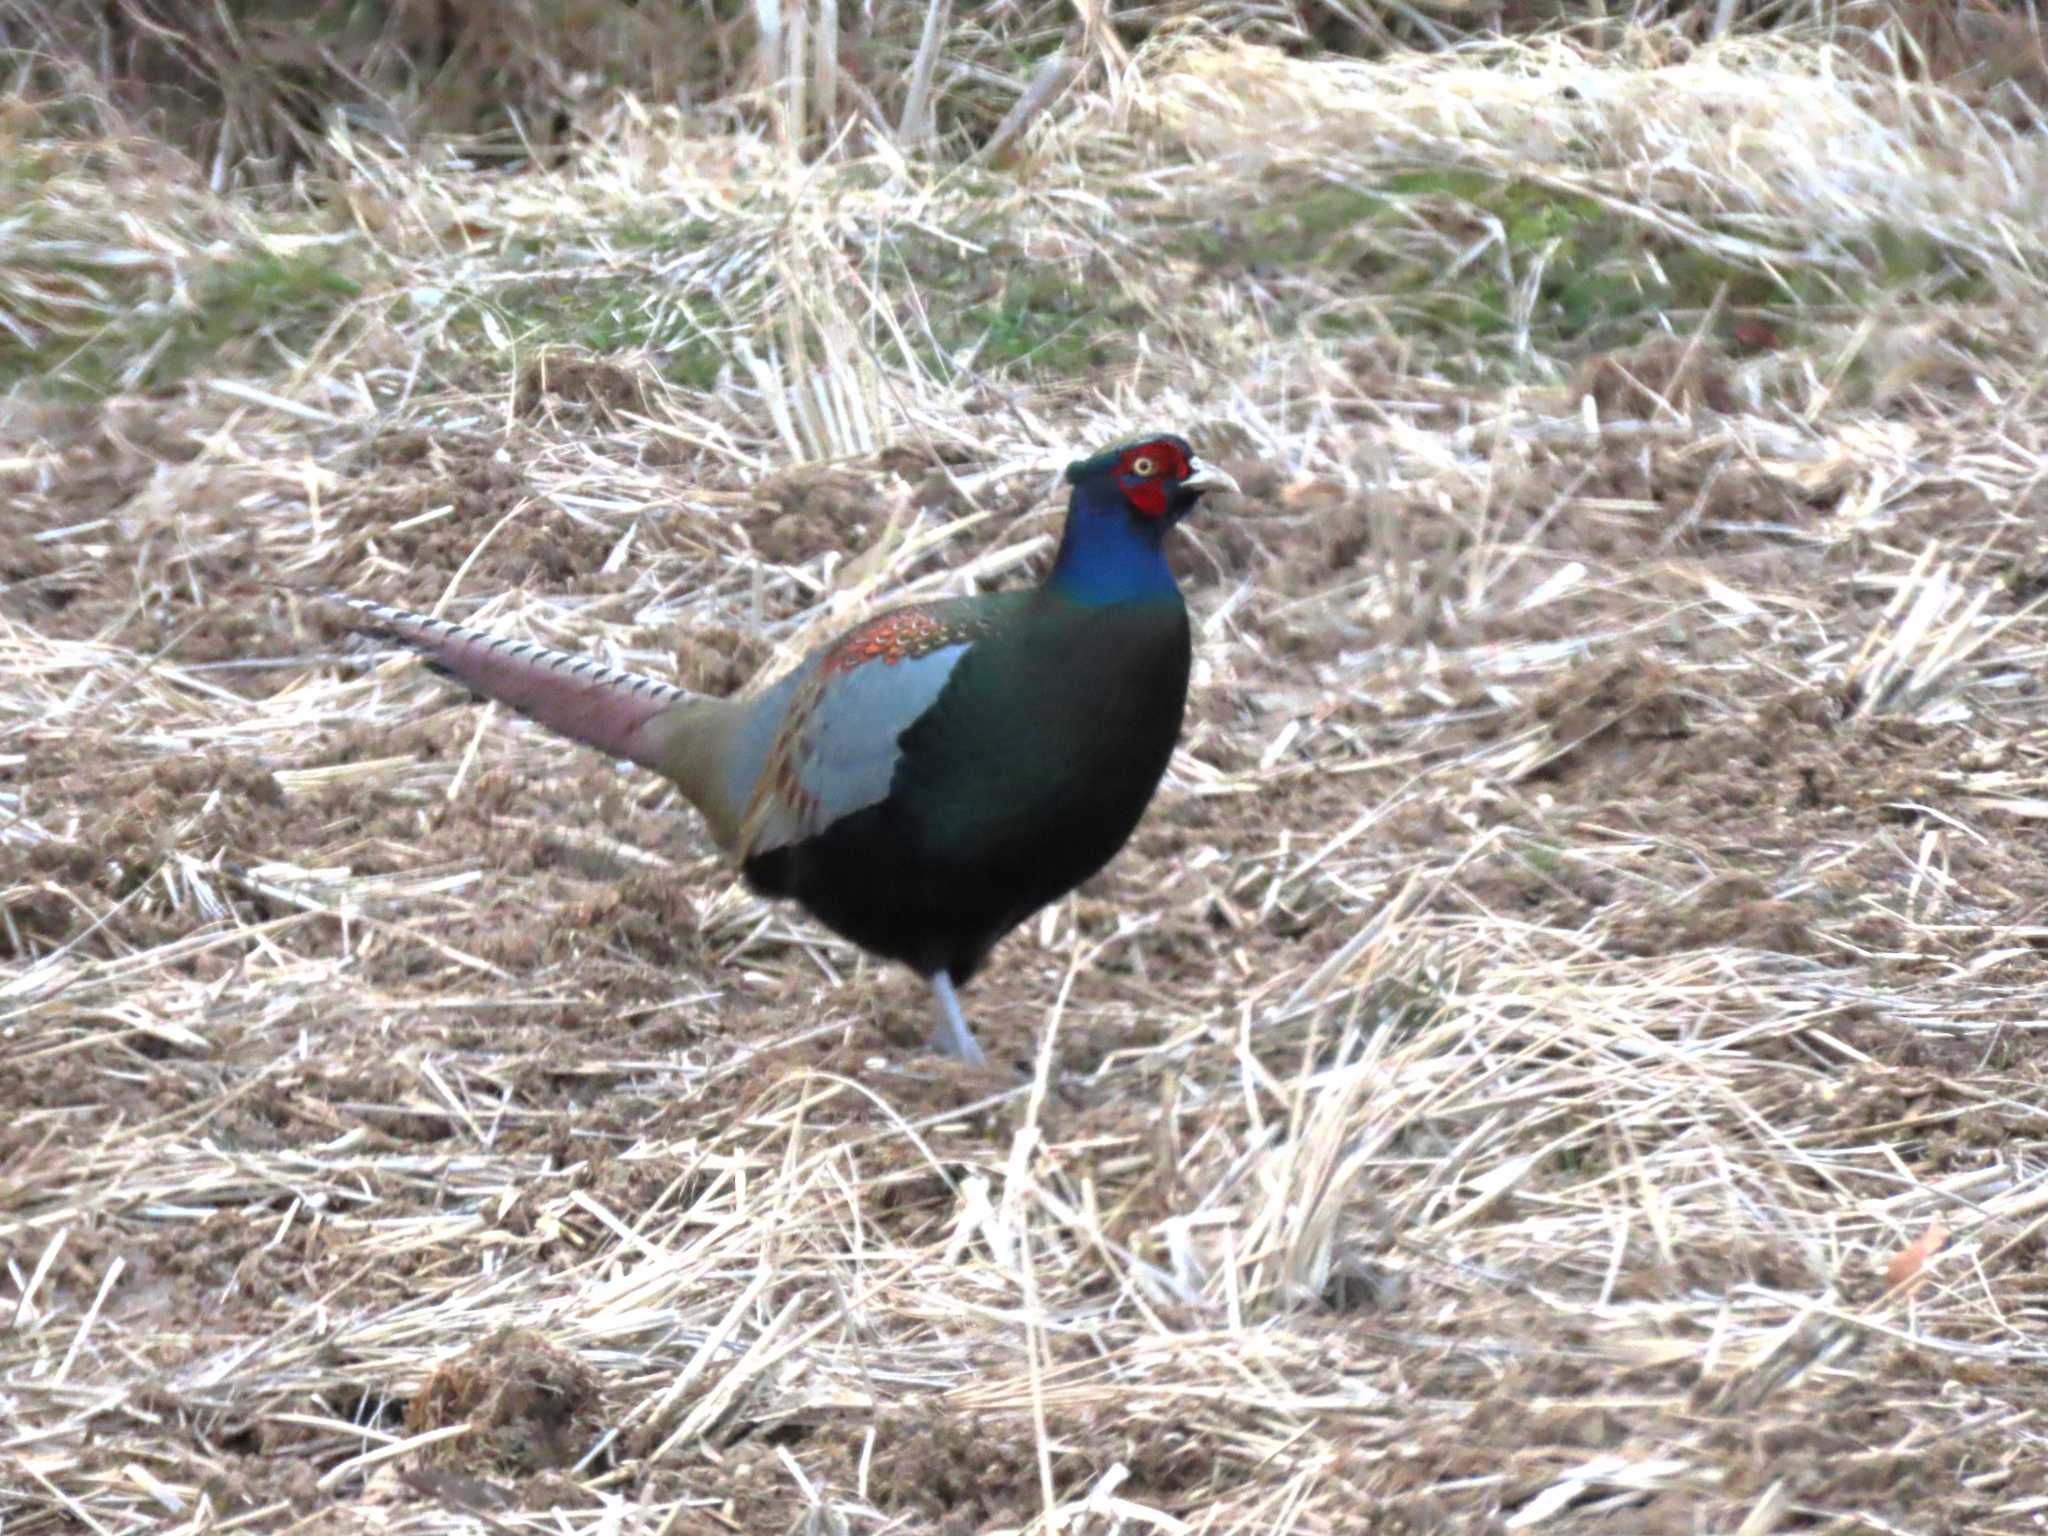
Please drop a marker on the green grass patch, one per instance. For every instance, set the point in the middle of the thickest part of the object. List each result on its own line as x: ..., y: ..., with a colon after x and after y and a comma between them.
x: 644, y: 231
x: 238, y: 314
x: 1041, y: 321
x: 637, y: 288
x: 605, y: 315
x: 1001, y: 311
x: 1453, y: 256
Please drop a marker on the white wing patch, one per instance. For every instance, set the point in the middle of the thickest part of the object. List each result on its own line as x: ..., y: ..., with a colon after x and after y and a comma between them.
x: 836, y: 751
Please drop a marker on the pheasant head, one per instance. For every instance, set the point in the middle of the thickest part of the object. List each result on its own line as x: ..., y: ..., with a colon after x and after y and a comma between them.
x: 1124, y: 500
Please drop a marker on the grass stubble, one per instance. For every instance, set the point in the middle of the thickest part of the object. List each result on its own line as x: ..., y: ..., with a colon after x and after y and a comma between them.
x: 1560, y: 1053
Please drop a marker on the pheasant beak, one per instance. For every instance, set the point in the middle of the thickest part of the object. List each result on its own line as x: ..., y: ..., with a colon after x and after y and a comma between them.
x: 1204, y: 476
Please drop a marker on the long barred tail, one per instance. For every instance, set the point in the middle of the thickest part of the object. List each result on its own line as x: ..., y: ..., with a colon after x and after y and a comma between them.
x: 583, y: 699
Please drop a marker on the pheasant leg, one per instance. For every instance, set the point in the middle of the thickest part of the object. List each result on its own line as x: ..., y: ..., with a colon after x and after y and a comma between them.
x: 953, y: 1037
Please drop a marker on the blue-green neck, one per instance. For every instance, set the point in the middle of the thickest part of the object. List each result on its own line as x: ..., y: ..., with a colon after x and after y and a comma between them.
x: 1108, y: 555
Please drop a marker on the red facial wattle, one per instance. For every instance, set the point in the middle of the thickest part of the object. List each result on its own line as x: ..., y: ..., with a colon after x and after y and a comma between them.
x: 1148, y: 496
x: 1143, y: 473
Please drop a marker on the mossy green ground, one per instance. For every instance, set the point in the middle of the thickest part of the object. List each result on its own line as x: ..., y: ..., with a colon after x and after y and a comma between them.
x: 1461, y: 259
x: 1482, y: 272
x: 154, y: 337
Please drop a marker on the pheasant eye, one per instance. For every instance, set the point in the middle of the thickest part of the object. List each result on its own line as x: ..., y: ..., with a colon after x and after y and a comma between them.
x: 1144, y: 465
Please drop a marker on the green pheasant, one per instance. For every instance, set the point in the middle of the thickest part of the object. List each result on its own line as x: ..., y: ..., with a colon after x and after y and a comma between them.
x: 928, y: 780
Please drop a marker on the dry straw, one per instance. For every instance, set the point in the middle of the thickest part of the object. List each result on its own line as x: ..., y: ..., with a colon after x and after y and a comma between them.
x: 1590, y: 935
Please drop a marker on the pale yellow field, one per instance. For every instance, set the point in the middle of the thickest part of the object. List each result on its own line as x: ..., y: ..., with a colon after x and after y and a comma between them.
x: 1563, y: 1053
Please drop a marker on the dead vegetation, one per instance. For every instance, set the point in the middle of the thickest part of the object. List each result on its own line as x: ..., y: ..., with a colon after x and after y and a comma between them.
x: 1560, y: 1055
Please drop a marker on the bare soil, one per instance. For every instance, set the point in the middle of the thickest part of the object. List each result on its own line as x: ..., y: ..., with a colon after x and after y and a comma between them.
x: 1594, y: 927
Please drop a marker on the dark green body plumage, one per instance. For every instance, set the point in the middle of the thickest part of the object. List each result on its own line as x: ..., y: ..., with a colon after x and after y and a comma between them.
x: 996, y: 809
